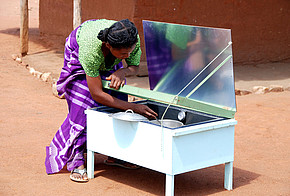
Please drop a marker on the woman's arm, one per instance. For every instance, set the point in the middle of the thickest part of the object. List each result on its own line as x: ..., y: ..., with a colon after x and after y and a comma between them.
x: 97, y: 93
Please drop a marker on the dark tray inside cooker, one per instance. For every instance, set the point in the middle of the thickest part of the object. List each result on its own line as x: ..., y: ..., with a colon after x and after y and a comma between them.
x: 191, y: 117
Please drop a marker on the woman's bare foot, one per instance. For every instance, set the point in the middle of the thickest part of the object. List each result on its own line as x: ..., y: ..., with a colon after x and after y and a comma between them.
x: 79, y: 174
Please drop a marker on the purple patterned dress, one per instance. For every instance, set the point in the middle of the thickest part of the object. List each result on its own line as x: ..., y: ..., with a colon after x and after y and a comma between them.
x: 69, y: 143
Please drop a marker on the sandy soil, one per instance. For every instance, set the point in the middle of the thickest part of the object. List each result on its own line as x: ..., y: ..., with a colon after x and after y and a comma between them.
x: 30, y: 116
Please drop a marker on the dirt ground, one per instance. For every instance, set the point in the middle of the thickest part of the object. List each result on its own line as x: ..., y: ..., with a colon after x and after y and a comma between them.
x: 30, y: 116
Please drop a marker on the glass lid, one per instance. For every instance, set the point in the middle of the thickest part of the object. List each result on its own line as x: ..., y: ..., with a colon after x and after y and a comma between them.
x: 191, y: 62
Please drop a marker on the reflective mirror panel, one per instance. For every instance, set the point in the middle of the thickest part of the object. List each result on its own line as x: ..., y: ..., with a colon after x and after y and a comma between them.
x: 193, y: 61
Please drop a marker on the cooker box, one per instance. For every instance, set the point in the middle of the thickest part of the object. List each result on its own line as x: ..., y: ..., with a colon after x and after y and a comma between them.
x: 191, y: 80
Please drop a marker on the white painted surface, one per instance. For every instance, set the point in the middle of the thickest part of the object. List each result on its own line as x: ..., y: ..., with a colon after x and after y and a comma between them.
x: 169, y: 151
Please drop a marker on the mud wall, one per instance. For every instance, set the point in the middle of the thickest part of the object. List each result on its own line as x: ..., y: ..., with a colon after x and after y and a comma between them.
x: 260, y: 29
x: 55, y: 17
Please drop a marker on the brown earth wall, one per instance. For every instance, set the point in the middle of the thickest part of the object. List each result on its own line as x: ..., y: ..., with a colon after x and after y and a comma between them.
x: 55, y: 17
x: 260, y: 29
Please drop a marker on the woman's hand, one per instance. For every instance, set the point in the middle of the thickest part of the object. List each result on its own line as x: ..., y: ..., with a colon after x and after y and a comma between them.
x: 118, y: 77
x: 145, y: 111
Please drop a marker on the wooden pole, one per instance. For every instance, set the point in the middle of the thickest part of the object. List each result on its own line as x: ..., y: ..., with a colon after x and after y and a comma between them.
x: 77, y: 20
x: 24, y: 27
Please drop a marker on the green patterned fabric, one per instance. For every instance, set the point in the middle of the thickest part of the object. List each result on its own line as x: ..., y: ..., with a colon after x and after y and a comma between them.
x: 90, y: 53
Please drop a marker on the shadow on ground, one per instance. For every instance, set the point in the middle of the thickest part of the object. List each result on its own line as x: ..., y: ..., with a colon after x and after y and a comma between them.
x: 200, y: 182
x: 49, y: 42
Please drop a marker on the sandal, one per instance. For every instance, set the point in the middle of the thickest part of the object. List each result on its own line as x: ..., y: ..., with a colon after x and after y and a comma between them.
x: 120, y: 163
x: 81, y: 172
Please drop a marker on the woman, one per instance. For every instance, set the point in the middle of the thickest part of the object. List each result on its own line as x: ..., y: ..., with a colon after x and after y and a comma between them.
x: 93, y: 52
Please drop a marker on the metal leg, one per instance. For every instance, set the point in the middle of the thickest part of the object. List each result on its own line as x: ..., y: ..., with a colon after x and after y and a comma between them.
x: 169, y: 185
x: 90, y: 164
x: 228, y: 184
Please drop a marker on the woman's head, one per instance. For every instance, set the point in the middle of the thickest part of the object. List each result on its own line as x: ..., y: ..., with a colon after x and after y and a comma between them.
x: 122, y: 34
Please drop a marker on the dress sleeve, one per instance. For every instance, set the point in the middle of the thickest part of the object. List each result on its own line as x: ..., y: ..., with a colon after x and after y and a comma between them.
x: 90, y: 51
x: 89, y: 57
x: 135, y: 56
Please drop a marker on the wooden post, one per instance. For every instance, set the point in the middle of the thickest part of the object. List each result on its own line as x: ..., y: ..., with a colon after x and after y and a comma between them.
x: 24, y: 27
x: 77, y: 20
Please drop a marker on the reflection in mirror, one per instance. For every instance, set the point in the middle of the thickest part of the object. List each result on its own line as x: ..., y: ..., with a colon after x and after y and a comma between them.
x: 177, y: 54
